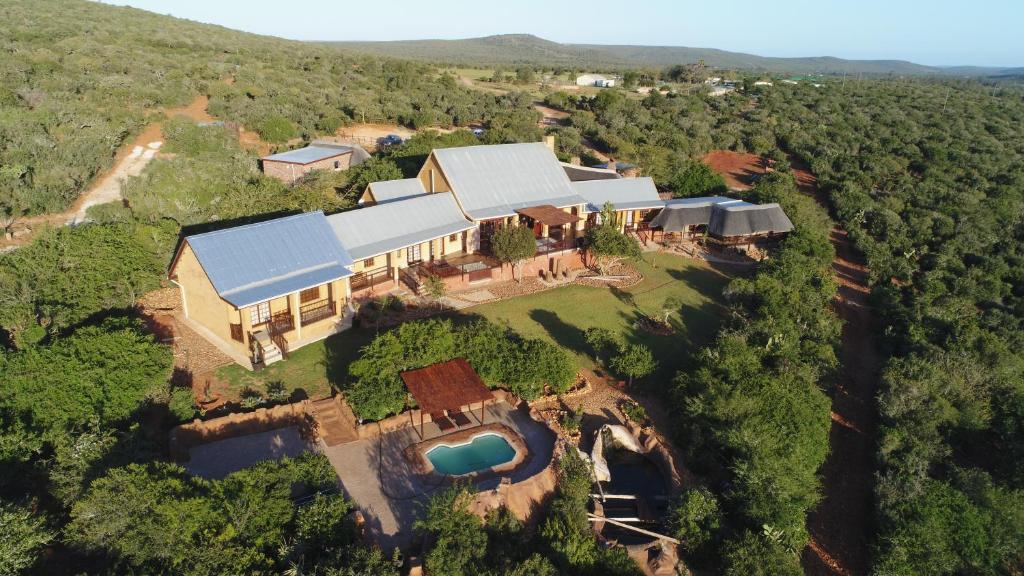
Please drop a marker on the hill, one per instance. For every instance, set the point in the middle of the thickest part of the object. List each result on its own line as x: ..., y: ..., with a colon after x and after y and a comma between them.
x: 513, y: 49
x: 78, y: 79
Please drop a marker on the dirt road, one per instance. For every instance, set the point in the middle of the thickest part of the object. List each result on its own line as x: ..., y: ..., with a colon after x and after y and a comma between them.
x: 841, y: 526
x: 129, y: 160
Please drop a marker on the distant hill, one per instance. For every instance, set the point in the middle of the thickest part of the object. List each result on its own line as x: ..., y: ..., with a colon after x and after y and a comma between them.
x: 514, y: 49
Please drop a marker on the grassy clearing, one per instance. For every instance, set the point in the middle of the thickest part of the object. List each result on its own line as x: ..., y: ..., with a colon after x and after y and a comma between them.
x: 560, y: 316
x: 563, y: 315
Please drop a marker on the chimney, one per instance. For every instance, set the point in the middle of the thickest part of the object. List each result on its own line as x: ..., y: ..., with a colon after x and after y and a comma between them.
x: 611, y: 164
x: 549, y: 141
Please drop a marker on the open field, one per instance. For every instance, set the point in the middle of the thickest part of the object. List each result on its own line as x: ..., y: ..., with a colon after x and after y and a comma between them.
x: 560, y: 315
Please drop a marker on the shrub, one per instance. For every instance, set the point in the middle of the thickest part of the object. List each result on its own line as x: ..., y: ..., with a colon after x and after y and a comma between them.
x: 275, y: 128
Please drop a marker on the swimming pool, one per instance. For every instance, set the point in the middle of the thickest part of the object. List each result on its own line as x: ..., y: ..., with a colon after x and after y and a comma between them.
x: 482, y: 452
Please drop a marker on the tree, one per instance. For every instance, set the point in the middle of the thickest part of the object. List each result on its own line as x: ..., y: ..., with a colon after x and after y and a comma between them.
x: 607, y: 244
x: 602, y: 341
x: 525, y: 75
x: 694, y: 178
x: 670, y: 306
x: 435, y: 288
x: 514, y: 245
x: 694, y: 518
x: 22, y: 535
x: 635, y: 361
x: 460, y: 543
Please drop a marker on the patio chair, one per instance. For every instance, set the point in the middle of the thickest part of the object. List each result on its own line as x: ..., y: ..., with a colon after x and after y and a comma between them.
x: 461, y: 419
x: 442, y: 421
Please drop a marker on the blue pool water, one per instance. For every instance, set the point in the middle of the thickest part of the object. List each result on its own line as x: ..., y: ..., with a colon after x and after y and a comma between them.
x: 484, y: 451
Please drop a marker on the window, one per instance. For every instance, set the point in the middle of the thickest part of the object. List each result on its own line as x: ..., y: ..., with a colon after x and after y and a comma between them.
x: 337, y: 164
x: 368, y: 263
x: 412, y: 254
x: 260, y: 313
x: 309, y: 295
x: 453, y: 237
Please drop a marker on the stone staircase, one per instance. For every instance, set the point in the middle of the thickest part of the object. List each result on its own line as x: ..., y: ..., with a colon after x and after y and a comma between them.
x: 336, y: 424
x: 271, y: 353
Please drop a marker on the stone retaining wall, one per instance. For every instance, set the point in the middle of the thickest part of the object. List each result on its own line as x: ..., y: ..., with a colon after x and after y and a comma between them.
x: 187, y: 436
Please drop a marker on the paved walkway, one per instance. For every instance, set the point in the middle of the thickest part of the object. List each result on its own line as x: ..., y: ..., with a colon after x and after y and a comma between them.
x: 375, y: 474
x: 218, y: 459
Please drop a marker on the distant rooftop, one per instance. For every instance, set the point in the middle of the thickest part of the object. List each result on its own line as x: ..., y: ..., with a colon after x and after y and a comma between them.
x: 309, y: 154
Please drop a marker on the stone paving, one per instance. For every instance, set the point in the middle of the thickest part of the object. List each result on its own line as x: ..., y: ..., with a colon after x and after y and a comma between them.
x: 218, y: 459
x: 375, y: 474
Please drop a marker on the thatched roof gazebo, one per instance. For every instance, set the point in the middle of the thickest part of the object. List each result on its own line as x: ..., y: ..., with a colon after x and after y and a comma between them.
x: 442, y: 389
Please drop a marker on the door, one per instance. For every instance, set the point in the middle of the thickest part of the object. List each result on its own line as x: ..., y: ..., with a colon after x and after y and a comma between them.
x: 412, y: 254
x: 538, y: 229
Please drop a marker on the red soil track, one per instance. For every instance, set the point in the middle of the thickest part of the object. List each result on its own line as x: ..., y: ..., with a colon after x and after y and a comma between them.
x: 841, y: 526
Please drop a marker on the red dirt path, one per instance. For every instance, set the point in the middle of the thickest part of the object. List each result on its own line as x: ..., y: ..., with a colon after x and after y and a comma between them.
x: 842, y: 524
x: 740, y: 169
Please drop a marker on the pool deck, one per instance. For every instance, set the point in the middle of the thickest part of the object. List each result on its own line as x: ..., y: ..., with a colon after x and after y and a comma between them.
x: 376, y: 475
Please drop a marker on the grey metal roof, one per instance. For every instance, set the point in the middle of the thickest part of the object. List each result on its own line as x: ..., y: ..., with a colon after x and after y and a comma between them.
x: 582, y: 173
x: 388, y: 190
x: 745, y: 219
x: 493, y: 181
x: 624, y: 193
x: 256, y: 262
x: 374, y: 230
x: 681, y: 213
x: 311, y: 153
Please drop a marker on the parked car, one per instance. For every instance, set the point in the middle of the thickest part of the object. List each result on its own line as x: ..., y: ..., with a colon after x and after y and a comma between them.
x: 478, y: 132
x: 390, y: 140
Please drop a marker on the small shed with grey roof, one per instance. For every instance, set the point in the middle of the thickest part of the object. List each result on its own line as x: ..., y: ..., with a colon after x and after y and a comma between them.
x: 744, y: 220
x: 494, y: 181
x: 623, y: 193
x: 391, y: 190
x: 257, y: 262
x: 374, y: 230
x: 294, y: 164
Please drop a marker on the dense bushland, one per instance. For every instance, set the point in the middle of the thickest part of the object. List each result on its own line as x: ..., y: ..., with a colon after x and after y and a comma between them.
x: 754, y: 408
x: 79, y: 79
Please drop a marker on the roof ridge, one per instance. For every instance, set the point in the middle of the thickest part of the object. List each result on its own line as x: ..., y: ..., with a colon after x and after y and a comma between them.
x: 254, y: 224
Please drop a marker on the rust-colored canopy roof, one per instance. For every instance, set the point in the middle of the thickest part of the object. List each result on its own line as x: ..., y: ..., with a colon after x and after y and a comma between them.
x: 446, y: 386
x: 548, y: 214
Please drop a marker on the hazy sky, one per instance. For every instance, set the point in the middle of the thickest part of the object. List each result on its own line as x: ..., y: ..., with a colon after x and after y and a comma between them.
x: 937, y: 32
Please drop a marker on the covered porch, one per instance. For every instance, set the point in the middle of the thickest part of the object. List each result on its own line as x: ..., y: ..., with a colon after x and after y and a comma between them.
x: 274, y: 327
x: 554, y: 229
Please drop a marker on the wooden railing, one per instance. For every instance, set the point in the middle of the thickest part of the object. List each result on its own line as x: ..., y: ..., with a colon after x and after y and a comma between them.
x: 281, y: 322
x: 362, y: 280
x: 316, y: 311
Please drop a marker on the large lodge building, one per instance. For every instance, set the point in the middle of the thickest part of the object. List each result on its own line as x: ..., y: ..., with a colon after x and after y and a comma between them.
x: 259, y: 290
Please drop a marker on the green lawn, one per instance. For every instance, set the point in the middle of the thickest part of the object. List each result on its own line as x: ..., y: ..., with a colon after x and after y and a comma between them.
x: 560, y: 315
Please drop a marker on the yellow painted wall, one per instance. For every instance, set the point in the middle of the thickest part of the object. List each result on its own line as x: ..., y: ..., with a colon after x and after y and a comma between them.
x: 204, y: 306
x: 440, y: 182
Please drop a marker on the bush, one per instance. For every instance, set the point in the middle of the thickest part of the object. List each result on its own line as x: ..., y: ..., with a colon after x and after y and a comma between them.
x: 694, y: 518
x: 276, y: 128
x: 98, y: 373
